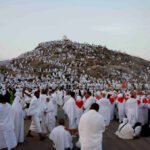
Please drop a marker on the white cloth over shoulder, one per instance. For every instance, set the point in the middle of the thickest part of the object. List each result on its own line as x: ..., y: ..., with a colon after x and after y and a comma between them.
x: 125, y: 130
x: 35, y: 108
x: 104, y: 110
x: 91, y: 128
x: 50, y: 119
x: 35, y: 112
x: 121, y: 107
x: 7, y: 135
x: 88, y: 102
x: 60, y: 98
x: 18, y: 119
x: 142, y: 111
x: 79, y: 109
x: 70, y: 111
x: 54, y: 100
x: 131, y: 108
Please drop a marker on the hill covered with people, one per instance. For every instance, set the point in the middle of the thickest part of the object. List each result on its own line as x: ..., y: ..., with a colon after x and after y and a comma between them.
x: 72, y: 61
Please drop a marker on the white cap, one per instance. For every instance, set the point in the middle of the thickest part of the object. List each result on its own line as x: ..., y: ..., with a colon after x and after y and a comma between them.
x: 104, y: 92
x: 98, y: 93
x: 120, y: 95
x: 78, y: 98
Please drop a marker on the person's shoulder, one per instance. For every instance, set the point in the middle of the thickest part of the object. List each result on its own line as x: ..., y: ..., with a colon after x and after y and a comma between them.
x: 98, y: 115
x: 33, y: 98
x: 85, y: 114
x: 91, y: 113
x: 91, y: 97
x: 8, y: 105
x: 53, y: 132
x: 59, y: 127
x: 71, y: 100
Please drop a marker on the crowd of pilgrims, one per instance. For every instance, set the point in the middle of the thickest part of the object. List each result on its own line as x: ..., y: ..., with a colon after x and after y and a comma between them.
x: 41, y: 104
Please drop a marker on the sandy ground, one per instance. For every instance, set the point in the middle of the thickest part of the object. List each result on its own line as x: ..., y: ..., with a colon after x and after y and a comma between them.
x: 110, y: 141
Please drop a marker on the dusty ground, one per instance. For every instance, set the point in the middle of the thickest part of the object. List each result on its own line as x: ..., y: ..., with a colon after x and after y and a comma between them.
x: 110, y: 141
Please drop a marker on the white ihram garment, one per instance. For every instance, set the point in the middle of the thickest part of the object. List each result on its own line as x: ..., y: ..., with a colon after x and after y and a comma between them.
x: 131, y: 108
x: 54, y: 100
x: 91, y: 128
x: 142, y: 112
x: 70, y: 111
x: 61, y: 138
x: 79, y: 112
x: 35, y: 112
x: 18, y: 119
x: 105, y: 108
x: 121, y: 110
x: 125, y: 130
x: 50, y: 119
x: 88, y: 102
x: 7, y: 134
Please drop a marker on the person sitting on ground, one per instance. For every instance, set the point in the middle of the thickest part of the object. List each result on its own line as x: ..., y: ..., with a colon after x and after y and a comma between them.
x: 61, y: 137
x: 126, y: 131
x: 137, y: 129
x: 145, y: 130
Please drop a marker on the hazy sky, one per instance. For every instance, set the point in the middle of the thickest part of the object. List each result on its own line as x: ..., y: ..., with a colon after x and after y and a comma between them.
x: 119, y: 24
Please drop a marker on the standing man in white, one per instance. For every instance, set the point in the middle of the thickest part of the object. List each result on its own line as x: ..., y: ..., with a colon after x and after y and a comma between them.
x: 105, y: 106
x: 131, y: 108
x: 50, y: 119
x: 35, y: 112
x: 7, y: 134
x: 88, y: 100
x: 79, y: 108
x: 70, y: 111
x: 91, y: 128
x: 18, y: 118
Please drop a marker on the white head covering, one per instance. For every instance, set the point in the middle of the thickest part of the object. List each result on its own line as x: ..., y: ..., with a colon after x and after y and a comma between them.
x: 125, y: 120
x: 104, y: 92
x: 16, y: 104
x: 120, y: 95
x: 98, y: 93
x: 78, y: 98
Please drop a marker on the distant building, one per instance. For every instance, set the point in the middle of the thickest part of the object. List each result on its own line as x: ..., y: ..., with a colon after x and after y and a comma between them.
x: 65, y: 38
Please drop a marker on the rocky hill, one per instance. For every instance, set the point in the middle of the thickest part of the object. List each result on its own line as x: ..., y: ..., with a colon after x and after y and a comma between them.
x: 67, y: 58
